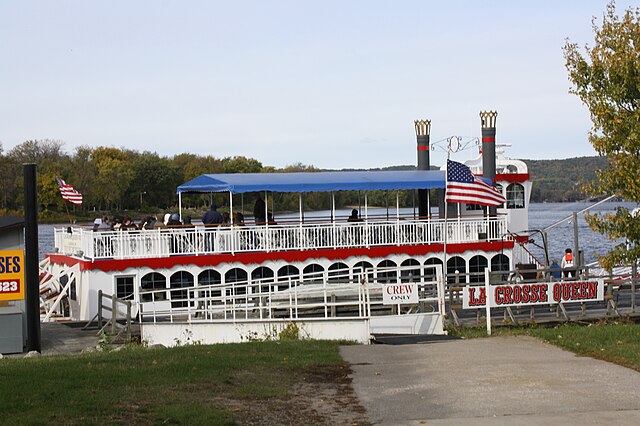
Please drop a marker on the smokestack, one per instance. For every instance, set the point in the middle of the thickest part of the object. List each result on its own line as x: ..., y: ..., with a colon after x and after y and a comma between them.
x: 488, y: 121
x: 423, y: 127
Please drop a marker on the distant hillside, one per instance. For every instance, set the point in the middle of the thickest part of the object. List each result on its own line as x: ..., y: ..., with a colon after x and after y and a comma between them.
x: 553, y: 180
x: 560, y: 180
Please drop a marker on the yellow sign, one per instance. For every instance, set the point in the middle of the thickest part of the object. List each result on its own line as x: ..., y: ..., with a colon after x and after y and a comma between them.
x: 12, y: 275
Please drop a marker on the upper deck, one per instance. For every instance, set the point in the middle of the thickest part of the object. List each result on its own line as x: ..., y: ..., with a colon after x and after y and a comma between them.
x: 84, y: 243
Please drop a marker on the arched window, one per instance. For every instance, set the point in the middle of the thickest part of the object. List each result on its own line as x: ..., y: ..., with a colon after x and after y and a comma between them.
x: 360, y: 268
x: 206, y: 278
x: 209, y: 277
x: 153, y: 281
x: 454, y: 264
x: 179, y: 298
x: 237, y: 275
x: 386, y: 276
x: 410, y: 275
x: 515, y: 196
x: 262, y: 276
x: 477, y: 265
x: 286, y: 274
x: 313, y: 273
x: 430, y: 270
x: 338, y: 272
x: 500, y: 262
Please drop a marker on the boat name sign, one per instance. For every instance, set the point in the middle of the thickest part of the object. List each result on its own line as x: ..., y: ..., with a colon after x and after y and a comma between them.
x: 542, y: 293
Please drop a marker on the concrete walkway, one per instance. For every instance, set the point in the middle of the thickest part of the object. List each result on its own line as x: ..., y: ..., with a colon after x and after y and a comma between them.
x: 58, y: 339
x: 492, y: 381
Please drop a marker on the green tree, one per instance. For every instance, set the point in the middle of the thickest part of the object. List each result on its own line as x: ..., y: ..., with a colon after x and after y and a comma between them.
x: 114, y: 174
x: 606, y: 77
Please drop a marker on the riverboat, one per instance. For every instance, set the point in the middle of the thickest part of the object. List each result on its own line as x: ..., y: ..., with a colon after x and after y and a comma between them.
x: 325, y: 275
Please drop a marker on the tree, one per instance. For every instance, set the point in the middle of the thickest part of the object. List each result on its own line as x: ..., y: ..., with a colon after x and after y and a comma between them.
x: 607, y: 80
x: 114, y: 175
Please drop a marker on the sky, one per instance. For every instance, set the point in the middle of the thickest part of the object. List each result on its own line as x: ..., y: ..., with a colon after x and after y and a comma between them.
x: 334, y: 84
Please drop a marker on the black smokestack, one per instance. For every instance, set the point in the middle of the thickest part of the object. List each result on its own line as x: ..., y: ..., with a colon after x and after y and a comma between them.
x: 423, y: 127
x: 488, y: 121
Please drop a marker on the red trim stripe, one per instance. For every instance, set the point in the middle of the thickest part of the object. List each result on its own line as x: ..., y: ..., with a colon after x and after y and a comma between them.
x: 513, y: 177
x: 488, y: 139
x: 257, y: 258
x: 423, y: 147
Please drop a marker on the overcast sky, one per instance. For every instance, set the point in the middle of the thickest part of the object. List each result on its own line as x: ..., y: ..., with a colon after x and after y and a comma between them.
x: 334, y: 84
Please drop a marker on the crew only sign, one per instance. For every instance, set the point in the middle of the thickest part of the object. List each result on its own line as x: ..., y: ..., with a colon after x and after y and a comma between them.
x: 394, y: 294
x: 533, y: 294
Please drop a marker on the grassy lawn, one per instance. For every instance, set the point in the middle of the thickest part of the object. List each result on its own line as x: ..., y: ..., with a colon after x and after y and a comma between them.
x: 614, y: 341
x: 184, y: 385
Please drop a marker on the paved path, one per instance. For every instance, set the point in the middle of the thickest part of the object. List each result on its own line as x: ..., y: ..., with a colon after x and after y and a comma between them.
x: 495, y: 381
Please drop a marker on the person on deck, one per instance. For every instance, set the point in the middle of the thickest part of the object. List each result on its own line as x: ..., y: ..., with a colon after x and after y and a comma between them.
x: 567, y: 264
x: 212, y: 217
x: 259, y: 210
x: 354, y: 216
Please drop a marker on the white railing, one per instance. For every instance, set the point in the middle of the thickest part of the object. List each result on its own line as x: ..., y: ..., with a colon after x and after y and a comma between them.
x: 162, y: 242
x: 291, y: 298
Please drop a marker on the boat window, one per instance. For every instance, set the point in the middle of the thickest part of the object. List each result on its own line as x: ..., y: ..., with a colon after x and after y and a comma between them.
x: 313, y: 273
x: 473, y: 207
x: 500, y: 262
x: 359, y: 270
x: 477, y: 265
x: 338, y: 272
x: 515, y: 196
x: 386, y: 276
x: 206, y: 278
x: 285, y: 273
x: 456, y: 264
x: 410, y: 275
x: 500, y: 189
x: 180, y: 298
x: 264, y: 276
x: 237, y: 275
x: 209, y: 277
x: 153, y: 281
x: 124, y: 287
x: 430, y: 266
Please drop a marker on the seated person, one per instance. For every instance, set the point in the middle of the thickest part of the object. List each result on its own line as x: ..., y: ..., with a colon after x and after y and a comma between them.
x: 354, y: 216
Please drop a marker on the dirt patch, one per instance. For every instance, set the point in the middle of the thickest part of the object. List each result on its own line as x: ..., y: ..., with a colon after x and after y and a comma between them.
x: 322, y: 396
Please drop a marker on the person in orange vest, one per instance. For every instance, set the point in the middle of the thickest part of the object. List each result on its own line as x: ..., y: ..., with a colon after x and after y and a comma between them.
x: 567, y: 264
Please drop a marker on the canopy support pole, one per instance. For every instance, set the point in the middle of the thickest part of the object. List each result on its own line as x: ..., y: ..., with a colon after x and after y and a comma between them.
x: 180, y: 205
x: 232, y: 218
x: 397, y: 218
x: 366, y: 219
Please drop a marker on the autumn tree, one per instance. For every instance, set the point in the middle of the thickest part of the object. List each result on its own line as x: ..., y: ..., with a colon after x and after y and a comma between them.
x: 606, y: 77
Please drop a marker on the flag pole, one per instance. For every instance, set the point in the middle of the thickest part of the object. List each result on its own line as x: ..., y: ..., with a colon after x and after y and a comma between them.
x: 446, y: 213
x: 68, y: 214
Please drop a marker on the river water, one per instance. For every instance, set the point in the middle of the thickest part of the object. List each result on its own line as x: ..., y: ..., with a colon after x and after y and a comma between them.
x: 541, y: 215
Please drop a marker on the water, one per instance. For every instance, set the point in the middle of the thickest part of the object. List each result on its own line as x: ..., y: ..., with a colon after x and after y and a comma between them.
x: 540, y: 216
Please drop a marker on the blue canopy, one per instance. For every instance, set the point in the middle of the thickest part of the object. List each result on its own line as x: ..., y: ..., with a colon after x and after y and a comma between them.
x: 315, y: 181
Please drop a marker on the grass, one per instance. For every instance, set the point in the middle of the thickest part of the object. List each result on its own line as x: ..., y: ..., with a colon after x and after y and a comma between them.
x: 613, y: 341
x: 184, y: 385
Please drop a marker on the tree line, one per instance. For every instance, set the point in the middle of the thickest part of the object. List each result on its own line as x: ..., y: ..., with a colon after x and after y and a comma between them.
x: 119, y: 179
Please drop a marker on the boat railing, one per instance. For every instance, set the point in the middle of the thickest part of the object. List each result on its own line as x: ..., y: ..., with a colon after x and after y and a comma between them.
x: 316, y: 297
x: 200, y: 240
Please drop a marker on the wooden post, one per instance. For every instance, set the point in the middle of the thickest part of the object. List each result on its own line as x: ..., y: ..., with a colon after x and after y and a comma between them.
x: 99, y: 309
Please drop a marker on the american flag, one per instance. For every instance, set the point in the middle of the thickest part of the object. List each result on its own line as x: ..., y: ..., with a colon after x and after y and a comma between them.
x: 68, y: 192
x: 464, y: 187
